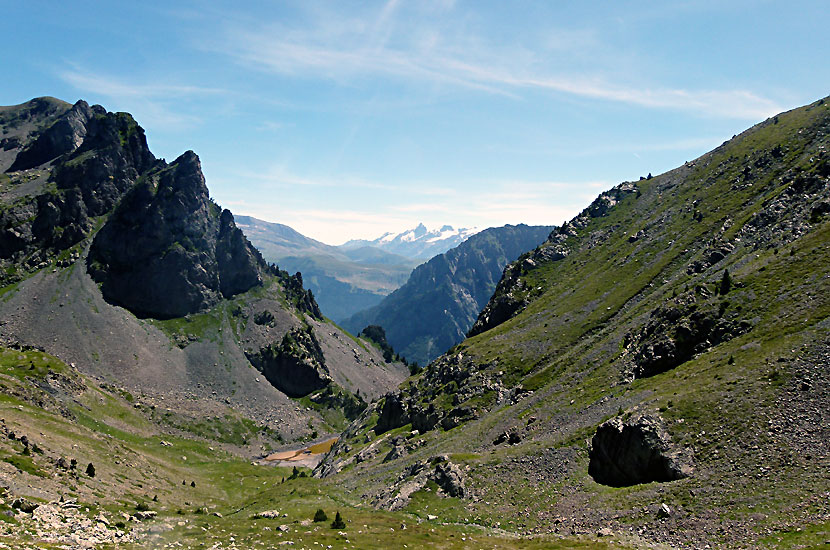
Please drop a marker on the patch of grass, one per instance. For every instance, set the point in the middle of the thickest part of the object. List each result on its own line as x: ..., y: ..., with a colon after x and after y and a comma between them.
x: 25, y: 464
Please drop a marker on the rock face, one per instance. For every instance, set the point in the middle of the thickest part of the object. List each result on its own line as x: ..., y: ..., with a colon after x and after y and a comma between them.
x: 296, y: 367
x: 689, y: 324
x: 633, y: 451
x: 168, y: 250
x: 448, y: 476
x: 91, y: 156
x: 64, y: 136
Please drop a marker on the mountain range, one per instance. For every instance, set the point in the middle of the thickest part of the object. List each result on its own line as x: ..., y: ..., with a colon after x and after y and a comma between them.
x: 441, y: 300
x: 417, y: 243
x: 653, y: 373
x: 343, y: 281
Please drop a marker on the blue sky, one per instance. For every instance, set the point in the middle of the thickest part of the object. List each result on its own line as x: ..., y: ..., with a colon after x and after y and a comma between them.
x: 349, y: 119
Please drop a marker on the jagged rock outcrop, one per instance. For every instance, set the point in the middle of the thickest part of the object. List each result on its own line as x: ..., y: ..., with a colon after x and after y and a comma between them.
x: 94, y: 156
x: 689, y: 324
x: 334, y: 397
x: 303, y: 299
x: 637, y: 450
x: 416, y: 404
x: 394, y: 413
x: 448, y: 476
x: 168, y: 250
x: 64, y: 136
x: 296, y: 367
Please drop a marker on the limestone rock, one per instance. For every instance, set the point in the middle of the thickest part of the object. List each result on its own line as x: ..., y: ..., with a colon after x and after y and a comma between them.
x: 297, y: 366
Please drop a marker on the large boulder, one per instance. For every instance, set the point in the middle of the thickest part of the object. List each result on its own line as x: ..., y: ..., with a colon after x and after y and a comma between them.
x: 637, y: 450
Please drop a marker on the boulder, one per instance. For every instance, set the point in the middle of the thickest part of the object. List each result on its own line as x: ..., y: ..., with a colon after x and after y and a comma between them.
x: 637, y: 450
x: 393, y: 414
x: 24, y: 505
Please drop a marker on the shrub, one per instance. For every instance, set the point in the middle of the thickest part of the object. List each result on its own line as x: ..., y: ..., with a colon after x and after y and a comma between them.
x: 90, y: 470
x: 320, y: 515
x: 725, y: 282
x: 338, y: 522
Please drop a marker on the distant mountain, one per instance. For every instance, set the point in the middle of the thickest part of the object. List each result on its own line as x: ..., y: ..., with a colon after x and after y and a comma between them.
x: 343, y: 281
x: 276, y: 240
x: 420, y: 242
x: 442, y: 298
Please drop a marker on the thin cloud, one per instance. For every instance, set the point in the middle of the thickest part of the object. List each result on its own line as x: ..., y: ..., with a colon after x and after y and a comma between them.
x: 148, y: 102
x: 114, y: 87
x: 342, y: 49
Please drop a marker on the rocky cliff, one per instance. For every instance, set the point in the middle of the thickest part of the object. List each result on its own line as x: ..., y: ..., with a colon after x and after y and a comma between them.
x: 121, y: 264
x: 168, y: 250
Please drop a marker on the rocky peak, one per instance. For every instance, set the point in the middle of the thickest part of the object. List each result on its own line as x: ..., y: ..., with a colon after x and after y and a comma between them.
x: 64, y: 136
x: 168, y: 249
x: 83, y: 159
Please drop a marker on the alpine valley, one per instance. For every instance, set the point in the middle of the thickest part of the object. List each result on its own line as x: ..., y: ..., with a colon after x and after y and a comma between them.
x: 652, y: 373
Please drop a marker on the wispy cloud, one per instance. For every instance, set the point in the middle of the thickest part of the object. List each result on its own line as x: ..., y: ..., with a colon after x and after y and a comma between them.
x: 114, y: 87
x: 341, y: 48
x: 152, y: 102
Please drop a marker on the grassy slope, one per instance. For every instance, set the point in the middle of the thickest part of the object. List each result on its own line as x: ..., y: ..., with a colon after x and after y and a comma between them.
x: 133, y: 466
x: 568, y: 347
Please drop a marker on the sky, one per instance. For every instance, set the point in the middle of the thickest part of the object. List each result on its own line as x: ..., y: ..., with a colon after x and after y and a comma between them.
x: 350, y: 119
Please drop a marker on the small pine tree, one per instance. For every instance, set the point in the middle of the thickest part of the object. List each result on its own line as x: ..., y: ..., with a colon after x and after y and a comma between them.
x: 90, y: 470
x: 320, y: 515
x: 725, y: 282
x: 338, y: 522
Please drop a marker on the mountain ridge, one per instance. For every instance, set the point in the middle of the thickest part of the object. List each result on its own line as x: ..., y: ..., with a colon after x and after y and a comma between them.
x: 441, y: 299
x: 671, y: 340
x: 417, y: 243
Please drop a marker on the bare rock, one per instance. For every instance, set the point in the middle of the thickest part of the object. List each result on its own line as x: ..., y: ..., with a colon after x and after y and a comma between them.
x: 637, y: 450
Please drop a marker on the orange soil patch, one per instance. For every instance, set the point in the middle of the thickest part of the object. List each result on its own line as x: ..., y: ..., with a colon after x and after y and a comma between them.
x: 301, y: 454
x: 323, y: 447
x: 285, y: 455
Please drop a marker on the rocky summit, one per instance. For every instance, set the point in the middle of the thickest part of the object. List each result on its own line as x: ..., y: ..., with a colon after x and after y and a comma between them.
x: 168, y: 250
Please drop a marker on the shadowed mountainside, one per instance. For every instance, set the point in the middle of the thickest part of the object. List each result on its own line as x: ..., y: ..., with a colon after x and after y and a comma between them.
x: 442, y: 298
